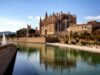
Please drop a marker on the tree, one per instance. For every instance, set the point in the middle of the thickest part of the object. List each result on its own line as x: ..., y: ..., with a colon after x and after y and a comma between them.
x: 75, y: 35
x: 31, y: 32
x: 23, y: 32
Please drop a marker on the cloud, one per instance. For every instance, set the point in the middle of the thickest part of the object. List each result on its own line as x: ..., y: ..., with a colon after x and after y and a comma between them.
x: 10, y: 24
x: 35, y: 18
x: 30, y: 17
x: 35, y: 21
x: 38, y: 17
x: 7, y: 24
x: 92, y: 17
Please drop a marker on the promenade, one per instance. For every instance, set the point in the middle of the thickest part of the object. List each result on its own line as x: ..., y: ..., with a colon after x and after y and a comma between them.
x: 77, y: 47
x: 7, y: 53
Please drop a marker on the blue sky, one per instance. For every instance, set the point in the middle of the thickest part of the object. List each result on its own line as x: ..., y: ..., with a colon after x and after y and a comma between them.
x: 15, y: 14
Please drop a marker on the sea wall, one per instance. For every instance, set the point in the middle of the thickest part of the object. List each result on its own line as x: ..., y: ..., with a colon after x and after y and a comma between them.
x: 7, y: 53
x: 29, y: 39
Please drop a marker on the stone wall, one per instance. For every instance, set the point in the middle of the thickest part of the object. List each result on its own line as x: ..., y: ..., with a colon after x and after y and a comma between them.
x: 29, y: 39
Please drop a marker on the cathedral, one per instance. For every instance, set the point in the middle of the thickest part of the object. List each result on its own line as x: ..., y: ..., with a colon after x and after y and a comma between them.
x: 55, y: 23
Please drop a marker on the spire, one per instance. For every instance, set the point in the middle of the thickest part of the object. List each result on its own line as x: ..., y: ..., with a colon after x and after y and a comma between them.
x: 40, y: 20
x: 53, y: 14
x: 40, y: 25
x: 46, y: 15
x: 61, y: 12
x: 68, y: 13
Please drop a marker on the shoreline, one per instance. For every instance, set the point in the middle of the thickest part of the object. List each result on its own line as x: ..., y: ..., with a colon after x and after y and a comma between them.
x: 83, y: 48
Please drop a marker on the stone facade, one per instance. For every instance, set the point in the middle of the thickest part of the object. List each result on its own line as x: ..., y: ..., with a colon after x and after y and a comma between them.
x: 89, y: 27
x: 56, y: 23
x: 80, y: 28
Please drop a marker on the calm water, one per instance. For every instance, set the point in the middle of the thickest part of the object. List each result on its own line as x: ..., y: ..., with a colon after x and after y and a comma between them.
x: 41, y: 59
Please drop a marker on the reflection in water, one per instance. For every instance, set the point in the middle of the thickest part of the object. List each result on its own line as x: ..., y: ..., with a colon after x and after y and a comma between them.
x: 44, y: 59
x: 56, y: 59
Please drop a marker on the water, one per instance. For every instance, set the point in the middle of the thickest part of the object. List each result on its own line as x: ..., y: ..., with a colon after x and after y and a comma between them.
x: 41, y: 59
x: 3, y: 40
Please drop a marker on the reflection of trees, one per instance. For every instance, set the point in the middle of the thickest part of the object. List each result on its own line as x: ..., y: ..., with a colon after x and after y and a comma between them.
x: 27, y: 49
x: 30, y: 46
x: 90, y: 58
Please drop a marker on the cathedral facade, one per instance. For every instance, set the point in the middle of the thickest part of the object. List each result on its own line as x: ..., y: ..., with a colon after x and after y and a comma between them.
x: 55, y: 23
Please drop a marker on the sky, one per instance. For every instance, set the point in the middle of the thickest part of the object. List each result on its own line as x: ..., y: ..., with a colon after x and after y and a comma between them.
x: 16, y: 14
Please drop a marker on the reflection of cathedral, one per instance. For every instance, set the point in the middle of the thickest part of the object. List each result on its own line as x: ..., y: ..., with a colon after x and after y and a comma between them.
x: 56, y: 22
x: 56, y: 59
